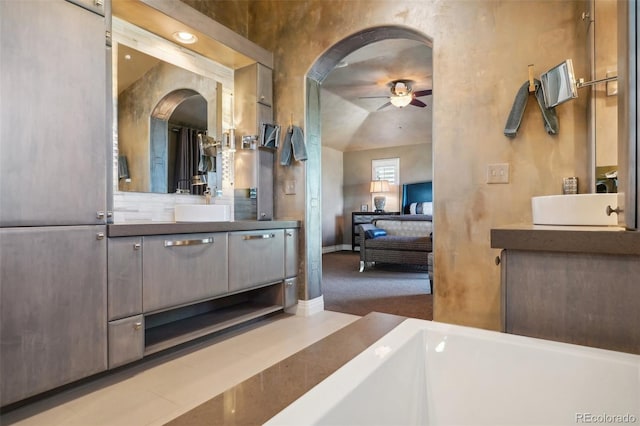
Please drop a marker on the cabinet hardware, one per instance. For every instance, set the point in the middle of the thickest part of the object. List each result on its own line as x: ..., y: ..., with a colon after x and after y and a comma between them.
x: 109, y: 214
x: 617, y: 210
x: 99, y: 3
x: 137, y: 246
x: 258, y: 237
x: 497, y: 260
x: 289, y: 234
x: 100, y: 236
x: 168, y: 243
x: 137, y: 326
x: 289, y: 283
x: 99, y: 214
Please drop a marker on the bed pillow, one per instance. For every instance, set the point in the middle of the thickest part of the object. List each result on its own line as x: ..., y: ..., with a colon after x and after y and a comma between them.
x: 375, y: 232
x: 370, y: 231
x: 421, y: 208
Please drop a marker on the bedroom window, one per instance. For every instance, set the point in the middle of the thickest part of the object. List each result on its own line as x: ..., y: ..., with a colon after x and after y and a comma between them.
x: 386, y: 169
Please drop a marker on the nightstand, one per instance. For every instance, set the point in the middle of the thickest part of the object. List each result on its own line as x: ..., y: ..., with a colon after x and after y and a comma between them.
x: 358, y: 218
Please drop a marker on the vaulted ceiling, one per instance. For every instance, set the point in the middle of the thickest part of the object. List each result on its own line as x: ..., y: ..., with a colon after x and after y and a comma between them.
x: 351, y: 122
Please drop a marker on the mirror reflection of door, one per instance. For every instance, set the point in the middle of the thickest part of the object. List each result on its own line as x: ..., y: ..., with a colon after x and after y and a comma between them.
x: 175, y: 123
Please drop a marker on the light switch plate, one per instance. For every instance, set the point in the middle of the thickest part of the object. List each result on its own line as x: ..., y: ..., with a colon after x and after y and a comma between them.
x: 289, y: 187
x: 498, y: 173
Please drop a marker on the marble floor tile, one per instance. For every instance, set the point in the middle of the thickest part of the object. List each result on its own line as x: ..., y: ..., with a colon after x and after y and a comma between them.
x: 160, y: 389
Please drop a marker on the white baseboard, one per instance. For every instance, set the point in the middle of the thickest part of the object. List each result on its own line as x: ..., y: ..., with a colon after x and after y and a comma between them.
x: 339, y: 247
x: 306, y: 308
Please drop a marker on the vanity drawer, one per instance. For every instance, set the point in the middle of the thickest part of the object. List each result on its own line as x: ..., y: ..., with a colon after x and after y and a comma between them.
x: 255, y: 257
x: 290, y: 292
x: 126, y: 340
x: 183, y: 268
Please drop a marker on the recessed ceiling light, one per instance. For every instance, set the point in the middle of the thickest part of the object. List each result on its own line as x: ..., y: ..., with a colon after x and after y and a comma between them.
x: 185, y: 37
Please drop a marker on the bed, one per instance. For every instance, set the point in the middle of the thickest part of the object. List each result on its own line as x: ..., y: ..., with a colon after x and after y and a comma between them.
x: 404, y: 239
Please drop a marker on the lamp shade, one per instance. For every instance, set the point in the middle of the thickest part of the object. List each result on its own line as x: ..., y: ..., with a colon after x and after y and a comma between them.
x: 379, y: 186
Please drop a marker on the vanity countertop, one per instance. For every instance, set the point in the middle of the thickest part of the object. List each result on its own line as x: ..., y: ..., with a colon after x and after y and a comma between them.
x: 574, y: 239
x: 162, y: 228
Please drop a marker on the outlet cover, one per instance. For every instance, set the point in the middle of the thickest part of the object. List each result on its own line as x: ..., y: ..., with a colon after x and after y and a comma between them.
x: 498, y: 173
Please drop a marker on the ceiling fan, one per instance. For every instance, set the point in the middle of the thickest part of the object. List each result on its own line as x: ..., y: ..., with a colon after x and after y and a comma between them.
x: 402, y: 95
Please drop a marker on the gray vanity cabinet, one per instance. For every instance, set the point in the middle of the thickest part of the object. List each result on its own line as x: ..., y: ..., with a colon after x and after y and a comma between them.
x: 572, y: 297
x: 53, y: 310
x: 53, y: 114
x: 255, y: 258
x: 124, y: 277
x: 183, y: 268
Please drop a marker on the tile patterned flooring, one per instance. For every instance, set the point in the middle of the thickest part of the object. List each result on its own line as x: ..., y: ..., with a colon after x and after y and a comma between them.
x: 160, y: 389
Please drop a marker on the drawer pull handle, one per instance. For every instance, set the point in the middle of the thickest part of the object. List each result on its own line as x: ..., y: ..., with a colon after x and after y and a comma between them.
x: 258, y: 237
x: 289, y: 234
x: 168, y: 243
x: 137, y: 246
x: 137, y: 326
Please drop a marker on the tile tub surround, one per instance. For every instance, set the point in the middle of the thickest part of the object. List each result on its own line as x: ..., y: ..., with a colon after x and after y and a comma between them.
x: 259, y: 398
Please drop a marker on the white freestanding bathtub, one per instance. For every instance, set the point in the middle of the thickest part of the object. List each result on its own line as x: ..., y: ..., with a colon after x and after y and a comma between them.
x: 429, y: 373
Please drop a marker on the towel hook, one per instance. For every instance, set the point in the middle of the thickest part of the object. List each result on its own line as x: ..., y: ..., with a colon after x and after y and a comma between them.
x: 532, y: 87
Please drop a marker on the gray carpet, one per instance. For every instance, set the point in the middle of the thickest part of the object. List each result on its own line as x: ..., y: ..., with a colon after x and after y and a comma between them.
x: 390, y: 289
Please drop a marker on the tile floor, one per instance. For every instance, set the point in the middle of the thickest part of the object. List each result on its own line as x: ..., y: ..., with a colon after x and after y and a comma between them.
x: 162, y: 388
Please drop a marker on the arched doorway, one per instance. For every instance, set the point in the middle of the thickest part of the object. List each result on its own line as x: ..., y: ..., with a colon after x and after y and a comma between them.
x: 314, y: 78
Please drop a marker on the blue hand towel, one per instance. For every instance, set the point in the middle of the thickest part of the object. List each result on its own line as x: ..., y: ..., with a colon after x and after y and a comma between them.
x: 549, y: 116
x: 299, y: 148
x: 285, y: 153
x: 293, y: 141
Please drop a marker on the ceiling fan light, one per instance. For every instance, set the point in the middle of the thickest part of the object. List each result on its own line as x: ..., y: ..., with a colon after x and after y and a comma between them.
x: 400, y: 101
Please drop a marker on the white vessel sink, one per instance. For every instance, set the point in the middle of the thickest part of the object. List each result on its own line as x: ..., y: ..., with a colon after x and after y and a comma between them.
x: 202, y: 213
x: 574, y: 209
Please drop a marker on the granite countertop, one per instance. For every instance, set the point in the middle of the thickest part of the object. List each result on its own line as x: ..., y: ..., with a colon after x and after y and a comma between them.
x: 574, y: 239
x: 160, y: 228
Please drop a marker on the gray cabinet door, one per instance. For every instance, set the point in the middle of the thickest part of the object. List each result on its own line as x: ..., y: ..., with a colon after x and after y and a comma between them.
x: 53, y: 307
x: 264, y: 85
x: 255, y: 258
x: 53, y: 114
x: 126, y: 340
x: 124, y: 277
x: 266, y: 159
x: 183, y: 268
x: 290, y: 292
x: 290, y: 252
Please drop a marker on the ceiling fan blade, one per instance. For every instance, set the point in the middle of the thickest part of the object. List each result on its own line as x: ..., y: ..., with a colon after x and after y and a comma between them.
x: 384, y: 106
x: 417, y: 103
x: 422, y: 93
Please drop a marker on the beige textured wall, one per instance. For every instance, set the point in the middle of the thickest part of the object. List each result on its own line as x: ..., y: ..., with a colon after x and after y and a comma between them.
x: 333, y: 222
x: 230, y: 13
x: 481, y: 53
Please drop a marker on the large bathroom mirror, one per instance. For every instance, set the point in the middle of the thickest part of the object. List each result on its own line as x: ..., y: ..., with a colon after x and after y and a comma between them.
x: 559, y: 85
x: 168, y: 101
